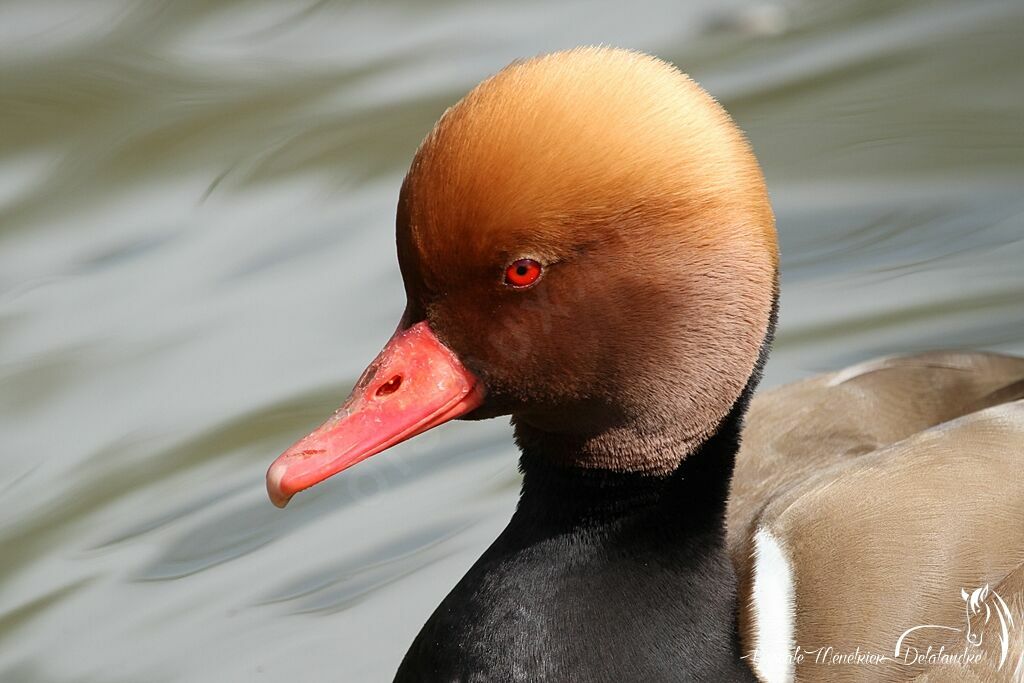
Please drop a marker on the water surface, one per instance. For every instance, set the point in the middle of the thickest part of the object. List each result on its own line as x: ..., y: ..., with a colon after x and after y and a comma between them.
x: 197, y: 259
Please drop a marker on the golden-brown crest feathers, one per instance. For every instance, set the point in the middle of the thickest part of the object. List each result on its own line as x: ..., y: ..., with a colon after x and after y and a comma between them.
x: 581, y: 136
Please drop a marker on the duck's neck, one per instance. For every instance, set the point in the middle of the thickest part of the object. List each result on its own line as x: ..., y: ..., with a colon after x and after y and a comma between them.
x: 599, y: 576
x: 557, y: 499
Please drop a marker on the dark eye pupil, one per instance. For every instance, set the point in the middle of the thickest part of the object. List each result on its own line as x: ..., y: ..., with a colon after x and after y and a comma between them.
x: 521, y: 270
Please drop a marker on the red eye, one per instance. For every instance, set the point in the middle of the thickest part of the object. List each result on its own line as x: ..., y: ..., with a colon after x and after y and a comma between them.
x: 522, y: 273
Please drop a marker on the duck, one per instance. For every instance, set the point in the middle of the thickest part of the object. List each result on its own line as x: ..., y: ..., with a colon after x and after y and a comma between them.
x: 588, y: 246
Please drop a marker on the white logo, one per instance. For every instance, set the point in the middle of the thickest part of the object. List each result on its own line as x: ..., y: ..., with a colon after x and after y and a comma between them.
x: 980, y: 607
x: 986, y: 618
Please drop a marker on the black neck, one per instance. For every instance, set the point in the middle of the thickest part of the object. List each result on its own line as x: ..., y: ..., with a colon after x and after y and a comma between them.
x: 599, y: 576
x: 557, y: 499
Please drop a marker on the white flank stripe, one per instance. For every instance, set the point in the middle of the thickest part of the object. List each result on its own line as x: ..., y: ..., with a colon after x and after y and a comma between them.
x: 774, y: 610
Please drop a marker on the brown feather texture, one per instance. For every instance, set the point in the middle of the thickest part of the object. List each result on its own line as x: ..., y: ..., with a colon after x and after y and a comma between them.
x: 891, y: 484
x: 992, y: 665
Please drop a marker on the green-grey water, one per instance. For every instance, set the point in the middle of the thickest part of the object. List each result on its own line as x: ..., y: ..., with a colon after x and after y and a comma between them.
x: 196, y: 261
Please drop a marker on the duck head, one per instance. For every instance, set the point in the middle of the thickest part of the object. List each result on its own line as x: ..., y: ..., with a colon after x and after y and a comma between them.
x: 587, y: 245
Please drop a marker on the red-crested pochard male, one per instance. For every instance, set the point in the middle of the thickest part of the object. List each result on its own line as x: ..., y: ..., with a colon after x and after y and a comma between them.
x: 587, y: 245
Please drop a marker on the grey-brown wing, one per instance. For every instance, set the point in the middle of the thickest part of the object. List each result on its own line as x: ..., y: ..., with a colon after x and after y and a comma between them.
x: 796, y: 430
x: 889, y: 486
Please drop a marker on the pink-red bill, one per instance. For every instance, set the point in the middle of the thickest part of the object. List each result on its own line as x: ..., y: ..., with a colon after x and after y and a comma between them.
x: 414, y: 384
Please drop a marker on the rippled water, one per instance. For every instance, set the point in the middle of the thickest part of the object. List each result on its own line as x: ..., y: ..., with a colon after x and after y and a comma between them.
x: 196, y: 260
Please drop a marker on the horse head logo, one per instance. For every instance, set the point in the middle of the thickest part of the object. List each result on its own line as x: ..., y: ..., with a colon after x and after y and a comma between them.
x: 980, y: 606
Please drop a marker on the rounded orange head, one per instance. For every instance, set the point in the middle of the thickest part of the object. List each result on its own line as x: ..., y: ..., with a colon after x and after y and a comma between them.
x: 588, y: 237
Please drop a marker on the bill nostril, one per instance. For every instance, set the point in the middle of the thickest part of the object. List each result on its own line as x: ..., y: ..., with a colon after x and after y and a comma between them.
x: 390, y: 387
